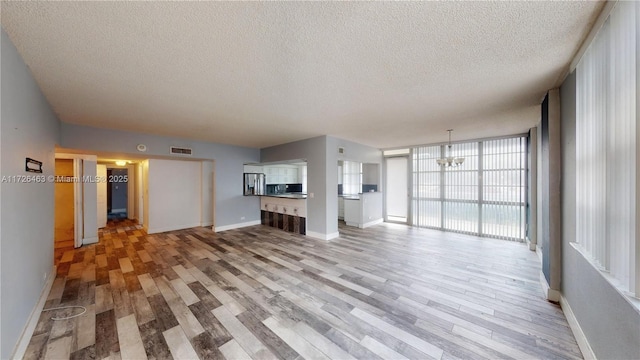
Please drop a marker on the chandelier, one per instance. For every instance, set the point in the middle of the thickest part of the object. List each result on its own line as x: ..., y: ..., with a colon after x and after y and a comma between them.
x: 450, y: 161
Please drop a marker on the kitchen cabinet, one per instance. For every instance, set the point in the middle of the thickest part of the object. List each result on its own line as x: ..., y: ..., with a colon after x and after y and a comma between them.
x: 273, y: 176
x: 340, y: 208
x: 282, y: 174
x: 285, y: 213
x: 364, y: 210
x: 253, y: 169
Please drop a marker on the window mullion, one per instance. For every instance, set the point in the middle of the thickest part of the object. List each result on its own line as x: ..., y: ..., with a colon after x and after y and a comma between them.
x: 480, y: 184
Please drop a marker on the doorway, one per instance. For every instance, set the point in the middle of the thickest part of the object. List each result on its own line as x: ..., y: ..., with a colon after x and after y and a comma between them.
x: 64, y: 235
x: 117, y: 194
x: 397, y: 186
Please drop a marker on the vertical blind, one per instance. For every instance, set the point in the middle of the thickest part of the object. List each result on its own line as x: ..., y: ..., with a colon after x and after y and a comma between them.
x: 606, y: 140
x: 484, y: 196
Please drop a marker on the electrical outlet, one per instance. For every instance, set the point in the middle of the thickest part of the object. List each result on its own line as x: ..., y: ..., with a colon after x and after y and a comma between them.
x: 242, y: 218
x: 44, y: 276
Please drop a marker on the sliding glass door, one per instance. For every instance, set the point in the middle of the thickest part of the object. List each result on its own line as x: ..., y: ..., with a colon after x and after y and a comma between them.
x: 397, y: 189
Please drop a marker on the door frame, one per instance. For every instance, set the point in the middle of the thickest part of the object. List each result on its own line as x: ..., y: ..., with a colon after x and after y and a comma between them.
x: 102, y: 183
x: 78, y: 194
x: 131, y: 193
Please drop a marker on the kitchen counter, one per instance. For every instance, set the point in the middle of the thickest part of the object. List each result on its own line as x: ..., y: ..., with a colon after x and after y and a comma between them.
x: 285, y: 211
x: 350, y: 197
x: 363, y: 210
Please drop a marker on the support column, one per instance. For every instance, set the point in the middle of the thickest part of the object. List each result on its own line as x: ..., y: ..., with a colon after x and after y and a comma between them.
x: 550, y: 231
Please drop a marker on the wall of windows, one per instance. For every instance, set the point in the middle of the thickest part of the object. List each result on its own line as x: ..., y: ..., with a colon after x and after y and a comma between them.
x: 351, y: 177
x: 484, y: 196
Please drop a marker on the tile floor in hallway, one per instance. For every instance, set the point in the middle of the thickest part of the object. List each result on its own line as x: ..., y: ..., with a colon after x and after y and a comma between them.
x: 389, y: 292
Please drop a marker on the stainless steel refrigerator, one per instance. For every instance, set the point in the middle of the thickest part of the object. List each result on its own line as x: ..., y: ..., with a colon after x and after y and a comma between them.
x: 255, y: 184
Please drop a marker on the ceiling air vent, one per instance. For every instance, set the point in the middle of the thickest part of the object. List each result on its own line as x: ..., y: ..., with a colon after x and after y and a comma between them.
x: 181, y: 151
x: 340, y: 150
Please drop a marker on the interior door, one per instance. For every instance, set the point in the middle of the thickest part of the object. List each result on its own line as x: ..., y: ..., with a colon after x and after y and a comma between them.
x: 397, y: 194
x: 101, y: 172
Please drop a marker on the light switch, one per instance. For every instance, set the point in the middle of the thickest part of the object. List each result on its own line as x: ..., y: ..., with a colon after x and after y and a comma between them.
x: 311, y: 195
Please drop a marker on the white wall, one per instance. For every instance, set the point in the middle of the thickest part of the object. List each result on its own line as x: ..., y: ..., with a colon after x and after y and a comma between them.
x: 175, y: 195
x: 207, y: 193
x: 90, y: 199
x: 145, y: 195
x: 29, y: 129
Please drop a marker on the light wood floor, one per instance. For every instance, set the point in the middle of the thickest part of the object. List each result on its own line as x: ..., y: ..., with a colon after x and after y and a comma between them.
x: 388, y: 292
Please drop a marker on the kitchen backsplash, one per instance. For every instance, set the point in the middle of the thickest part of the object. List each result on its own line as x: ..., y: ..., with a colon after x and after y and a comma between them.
x: 369, y: 188
x: 273, y: 189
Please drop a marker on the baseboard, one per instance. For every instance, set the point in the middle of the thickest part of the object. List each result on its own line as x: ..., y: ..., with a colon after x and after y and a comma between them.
x: 532, y: 246
x: 236, y: 226
x: 549, y: 293
x: 538, y: 251
x: 321, y: 236
x: 371, y: 223
x: 118, y: 211
x: 581, y: 339
x: 206, y: 224
x: 171, y: 228
x: 88, y: 241
x: 27, y: 333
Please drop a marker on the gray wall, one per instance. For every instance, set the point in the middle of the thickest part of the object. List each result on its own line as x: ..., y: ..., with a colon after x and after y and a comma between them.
x: 231, y: 205
x: 544, y: 206
x: 322, y: 158
x: 610, y: 323
x: 314, y: 151
x: 352, y: 152
x: 29, y: 129
x: 550, y: 220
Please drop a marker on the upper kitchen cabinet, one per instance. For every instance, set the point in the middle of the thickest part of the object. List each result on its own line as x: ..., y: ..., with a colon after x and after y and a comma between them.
x: 285, y: 173
x: 253, y: 169
x: 370, y: 177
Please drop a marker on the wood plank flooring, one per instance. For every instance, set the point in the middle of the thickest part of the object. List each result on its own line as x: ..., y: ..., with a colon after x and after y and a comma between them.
x: 386, y: 292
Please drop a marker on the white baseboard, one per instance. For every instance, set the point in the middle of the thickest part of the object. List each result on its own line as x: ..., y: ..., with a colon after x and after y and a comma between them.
x: 321, y: 236
x: 583, y: 343
x: 532, y: 246
x: 91, y: 240
x: 236, y: 226
x: 371, y: 223
x: 171, y: 228
x: 538, y: 251
x: 118, y: 211
x: 549, y: 293
x: 25, y: 337
x: 206, y: 224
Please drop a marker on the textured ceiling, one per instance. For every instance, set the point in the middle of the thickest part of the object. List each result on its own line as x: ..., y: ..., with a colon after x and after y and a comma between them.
x: 384, y: 74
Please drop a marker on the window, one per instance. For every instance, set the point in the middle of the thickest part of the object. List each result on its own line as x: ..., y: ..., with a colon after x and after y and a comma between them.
x: 351, y: 177
x: 484, y: 196
x: 606, y: 141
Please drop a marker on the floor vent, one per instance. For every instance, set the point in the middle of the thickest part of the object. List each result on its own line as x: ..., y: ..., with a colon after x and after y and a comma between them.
x: 340, y: 150
x: 181, y: 151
